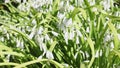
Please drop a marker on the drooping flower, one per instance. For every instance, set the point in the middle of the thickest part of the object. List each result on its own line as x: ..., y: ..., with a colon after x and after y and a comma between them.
x: 54, y: 33
x: 20, y: 44
x: 72, y: 34
x: 77, y: 40
x: 106, y: 4
x: 33, y: 32
x: 7, y: 1
x: 66, y: 36
x: 49, y: 55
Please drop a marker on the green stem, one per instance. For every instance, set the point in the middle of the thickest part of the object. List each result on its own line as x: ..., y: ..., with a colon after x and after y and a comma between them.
x: 37, y: 61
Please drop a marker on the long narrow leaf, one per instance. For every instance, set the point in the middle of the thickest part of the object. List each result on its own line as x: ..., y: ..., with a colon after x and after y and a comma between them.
x: 114, y: 32
x: 90, y: 42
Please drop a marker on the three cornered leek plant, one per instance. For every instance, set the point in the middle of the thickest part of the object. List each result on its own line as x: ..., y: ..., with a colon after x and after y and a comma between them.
x: 59, y: 34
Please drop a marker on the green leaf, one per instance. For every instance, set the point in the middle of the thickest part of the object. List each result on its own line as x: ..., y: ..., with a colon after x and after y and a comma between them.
x: 115, y: 34
x: 8, y: 63
x: 37, y: 61
x: 76, y: 11
x: 12, y: 53
x: 117, y: 52
x: 55, y: 6
x: 8, y: 50
x: 52, y: 46
x: 112, y: 16
x: 90, y: 42
x: 91, y: 14
x: 4, y: 47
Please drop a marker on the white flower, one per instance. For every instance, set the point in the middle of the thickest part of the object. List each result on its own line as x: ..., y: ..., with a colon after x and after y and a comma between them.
x: 83, y: 54
x: 66, y: 37
x: 8, y: 36
x: 23, y: 7
x: 117, y: 13
x: 85, y: 38
x: 8, y: 57
x: 75, y: 56
x: 100, y: 52
x: 36, y: 4
x: 66, y: 65
x: 24, y: 1
x: 77, y: 40
x: 97, y: 54
x: 61, y: 4
x: 32, y: 32
x: 92, y: 2
x: 72, y: 34
x: 49, y: 55
x: 39, y: 3
x: 95, y: 24
x: 41, y: 56
x: 40, y: 30
x: 33, y: 22
x: 67, y: 3
x: 107, y: 38
x: 2, y: 39
x: 80, y: 2
x: 64, y: 20
x: 7, y: 1
x: 54, y: 33
x: 79, y: 33
x: 111, y: 45
x: 60, y: 15
x: 18, y: 1
x: 94, y: 9
x: 119, y: 36
x: 67, y: 6
x: 47, y: 37
x: 51, y: 40
x: 61, y: 26
x: 43, y: 47
x: 87, y: 61
x: 71, y: 8
x: 39, y: 40
x: 87, y: 29
x: 67, y: 22
x: 106, y: 5
x: 87, y: 54
x: 50, y: 8
x: 20, y: 44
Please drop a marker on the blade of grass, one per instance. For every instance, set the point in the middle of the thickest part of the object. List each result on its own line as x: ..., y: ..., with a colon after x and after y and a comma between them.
x: 76, y: 11
x: 114, y: 31
x: 52, y: 46
x: 12, y: 53
x: 8, y: 50
x: 55, y: 6
x: 37, y: 61
x: 117, y: 52
x: 90, y: 42
x: 3, y: 47
x: 91, y: 14
x: 111, y: 16
x: 9, y: 63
